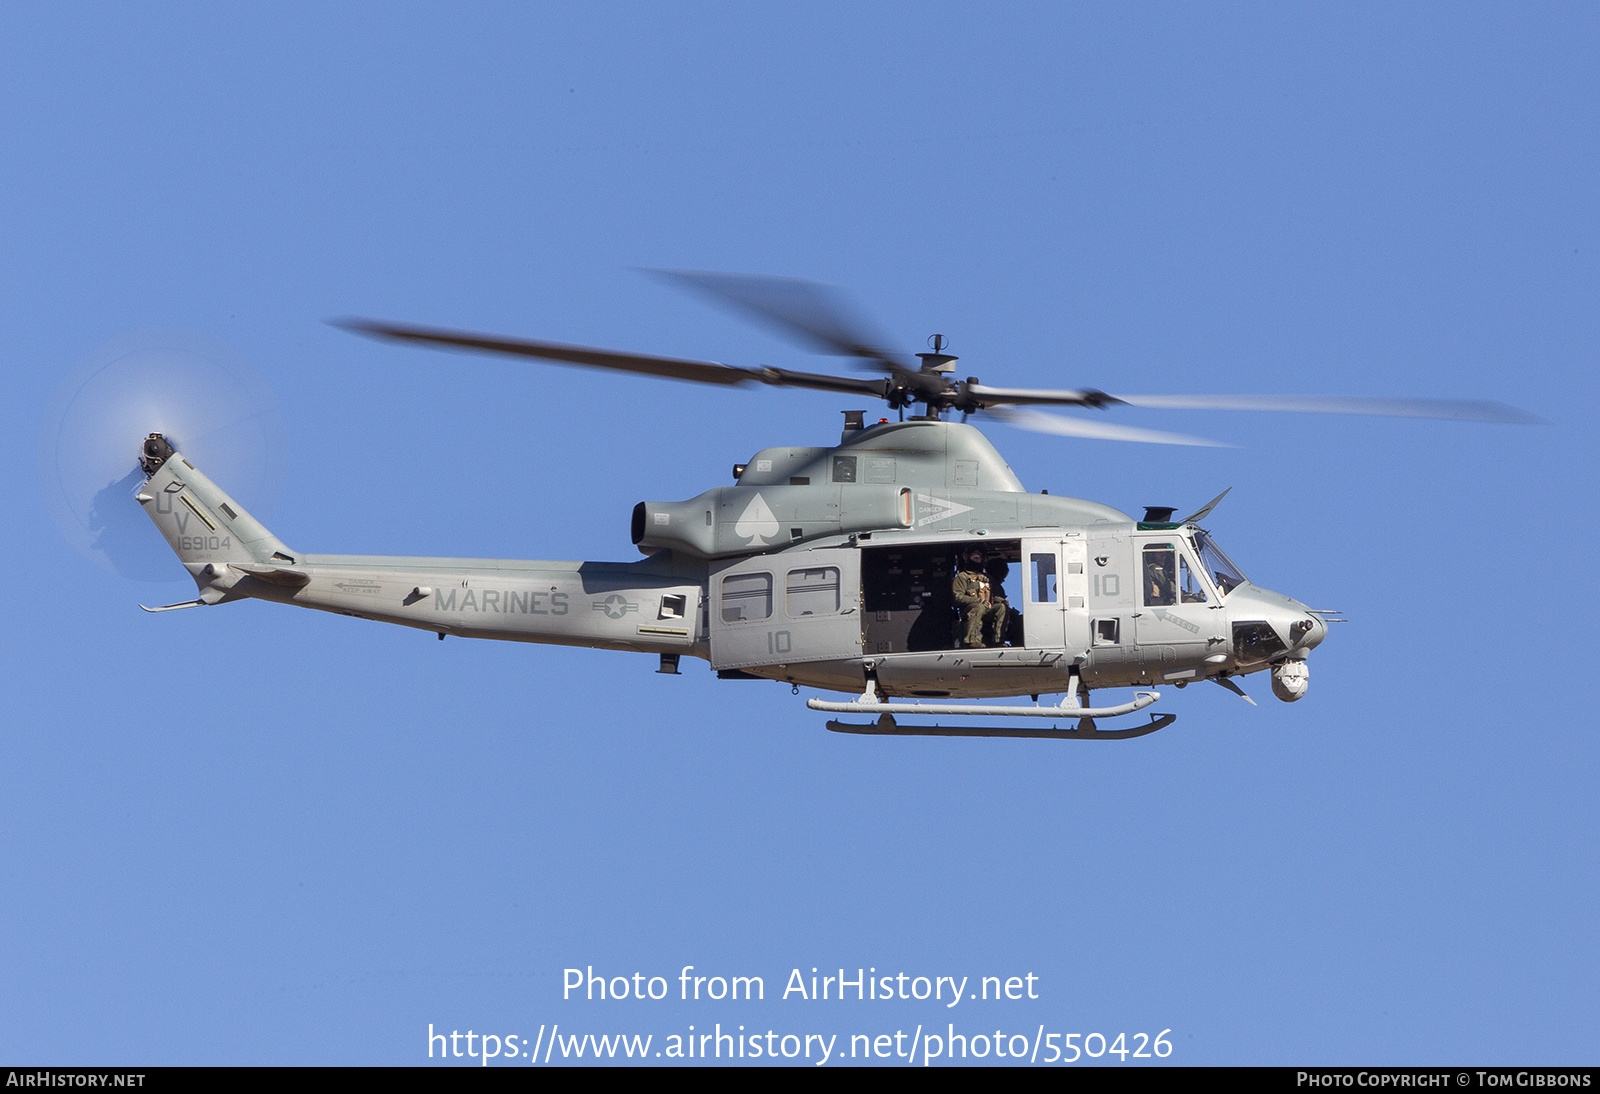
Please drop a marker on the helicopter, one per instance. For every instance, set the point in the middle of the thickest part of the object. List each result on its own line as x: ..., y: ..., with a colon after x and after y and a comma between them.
x: 877, y: 567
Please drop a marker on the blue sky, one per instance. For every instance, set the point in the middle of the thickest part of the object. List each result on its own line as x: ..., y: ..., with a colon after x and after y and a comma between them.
x: 254, y: 835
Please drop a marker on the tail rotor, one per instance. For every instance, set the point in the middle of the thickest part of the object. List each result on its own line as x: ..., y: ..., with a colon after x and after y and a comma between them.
x: 197, y: 392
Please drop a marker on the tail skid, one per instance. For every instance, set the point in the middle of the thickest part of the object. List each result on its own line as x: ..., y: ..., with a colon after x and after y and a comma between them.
x: 174, y: 607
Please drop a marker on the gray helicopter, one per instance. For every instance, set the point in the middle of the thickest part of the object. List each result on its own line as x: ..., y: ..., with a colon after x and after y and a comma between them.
x: 906, y: 566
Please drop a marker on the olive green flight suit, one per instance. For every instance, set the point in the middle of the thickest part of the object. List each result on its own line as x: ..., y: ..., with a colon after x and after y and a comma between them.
x: 971, y: 592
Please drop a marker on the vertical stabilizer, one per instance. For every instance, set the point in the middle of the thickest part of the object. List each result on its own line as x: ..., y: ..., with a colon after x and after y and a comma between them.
x: 215, y: 539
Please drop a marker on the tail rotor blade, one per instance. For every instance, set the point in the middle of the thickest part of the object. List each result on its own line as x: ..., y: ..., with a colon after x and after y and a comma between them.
x: 201, y: 394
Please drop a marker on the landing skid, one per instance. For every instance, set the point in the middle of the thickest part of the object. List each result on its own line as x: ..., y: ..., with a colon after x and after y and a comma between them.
x: 886, y: 726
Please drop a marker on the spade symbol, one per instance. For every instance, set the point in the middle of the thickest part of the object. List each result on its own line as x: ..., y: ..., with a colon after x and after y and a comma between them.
x: 757, y: 525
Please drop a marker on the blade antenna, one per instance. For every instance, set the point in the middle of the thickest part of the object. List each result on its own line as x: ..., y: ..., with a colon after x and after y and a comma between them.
x: 1205, y: 510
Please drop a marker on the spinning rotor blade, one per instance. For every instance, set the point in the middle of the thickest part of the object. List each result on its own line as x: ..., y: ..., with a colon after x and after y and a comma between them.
x: 819, y: 317
x: 1020, y: 396
x: 705, y: 372
x: 201, y: 394
x: 1040, y: 422
x: 676, y: 368
x: 1464, y: 410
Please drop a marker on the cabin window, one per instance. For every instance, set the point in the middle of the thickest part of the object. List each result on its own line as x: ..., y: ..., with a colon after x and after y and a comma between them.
x: 1160, y: 584
x: 746, y: 598
x: 814, y: 591
x: 1043, y: 568
x: 844, y: 469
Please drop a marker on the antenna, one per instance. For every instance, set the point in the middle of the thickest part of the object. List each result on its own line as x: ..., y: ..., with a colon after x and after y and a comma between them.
x: 938, y: 360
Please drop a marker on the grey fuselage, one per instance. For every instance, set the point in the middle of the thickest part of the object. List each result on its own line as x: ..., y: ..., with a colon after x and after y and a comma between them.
x: 822, y: 567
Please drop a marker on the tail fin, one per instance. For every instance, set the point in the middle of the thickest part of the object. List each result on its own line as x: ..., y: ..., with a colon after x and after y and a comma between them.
x: 215, y: 539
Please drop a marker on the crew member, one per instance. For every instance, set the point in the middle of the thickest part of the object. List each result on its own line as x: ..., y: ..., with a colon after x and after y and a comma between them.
x: 973, y: 594
x: 1005, y: 631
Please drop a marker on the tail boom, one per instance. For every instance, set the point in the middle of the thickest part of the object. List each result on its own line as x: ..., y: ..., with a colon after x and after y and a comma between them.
x: 648, y: 606
x: 654, y: 605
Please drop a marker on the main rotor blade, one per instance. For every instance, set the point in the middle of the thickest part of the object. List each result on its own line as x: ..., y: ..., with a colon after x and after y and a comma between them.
x: 705, y: 372
x: 1017, y: 396
x: 849, y: 385
x: 1465, y: 410
x: 817, y: 316
x: 1040, y: 422
x: 676, y: 368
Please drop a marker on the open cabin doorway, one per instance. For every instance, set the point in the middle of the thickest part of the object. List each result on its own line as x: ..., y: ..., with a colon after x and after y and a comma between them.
x: 908, y: 601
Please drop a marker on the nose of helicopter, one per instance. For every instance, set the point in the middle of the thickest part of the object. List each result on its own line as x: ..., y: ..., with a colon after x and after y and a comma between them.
x: 1272, y: 627
x: 1315, y: 633
x: 1297, y: 625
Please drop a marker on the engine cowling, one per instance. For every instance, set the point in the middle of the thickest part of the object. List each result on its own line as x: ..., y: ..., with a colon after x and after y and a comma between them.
x: 741, y: 520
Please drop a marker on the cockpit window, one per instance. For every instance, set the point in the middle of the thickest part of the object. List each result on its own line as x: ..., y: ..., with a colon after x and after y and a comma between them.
x: 1217, y: 564
x: 1191, y: 590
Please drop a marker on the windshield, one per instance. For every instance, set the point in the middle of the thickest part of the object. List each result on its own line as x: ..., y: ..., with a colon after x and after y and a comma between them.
x: 1217, y: 564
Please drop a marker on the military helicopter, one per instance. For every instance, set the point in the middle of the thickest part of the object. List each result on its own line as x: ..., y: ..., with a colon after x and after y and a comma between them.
x: 876, y: 567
